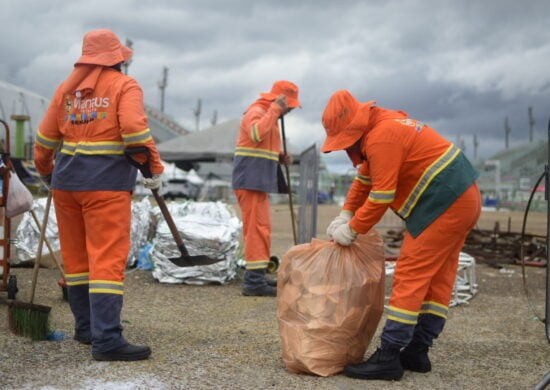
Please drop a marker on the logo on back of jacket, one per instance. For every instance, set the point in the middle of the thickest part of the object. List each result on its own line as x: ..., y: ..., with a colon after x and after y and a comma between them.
x: 84, y: 110
x: 412, y: 123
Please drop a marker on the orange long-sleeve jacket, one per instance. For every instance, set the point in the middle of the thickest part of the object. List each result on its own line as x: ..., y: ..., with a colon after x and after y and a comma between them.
x: 258, y: 149
x: 93, y: 117
x: 408, y: 167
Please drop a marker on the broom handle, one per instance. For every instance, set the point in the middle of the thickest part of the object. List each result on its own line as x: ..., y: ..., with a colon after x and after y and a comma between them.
x: 40, y: 244
x: 50, y: 249
x: 52, y: 252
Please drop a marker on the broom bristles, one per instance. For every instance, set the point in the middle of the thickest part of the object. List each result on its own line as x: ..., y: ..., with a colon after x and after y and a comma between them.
x: 29, y: 320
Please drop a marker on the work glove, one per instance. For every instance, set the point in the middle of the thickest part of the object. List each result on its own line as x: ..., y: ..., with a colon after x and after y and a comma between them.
x: 281, y: 101
x: 344, y: 235
x: 344, y: 217
x: 153, y: 183
x: 285, y: 159
x: 46, y: 181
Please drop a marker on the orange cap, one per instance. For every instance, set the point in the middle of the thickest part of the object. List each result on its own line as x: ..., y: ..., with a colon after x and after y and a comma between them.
x: 102, y: 47
x: 290, y: 90
x: 345, y: 121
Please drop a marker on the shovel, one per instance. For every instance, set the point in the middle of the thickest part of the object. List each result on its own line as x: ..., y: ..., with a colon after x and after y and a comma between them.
x: 185, y: 260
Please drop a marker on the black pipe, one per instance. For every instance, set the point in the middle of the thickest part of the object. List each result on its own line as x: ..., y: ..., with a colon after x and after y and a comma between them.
x: 546, y: 193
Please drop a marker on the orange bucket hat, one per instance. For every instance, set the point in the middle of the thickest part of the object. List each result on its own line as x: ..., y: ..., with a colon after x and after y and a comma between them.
x: 102, y: 47
x: 290, y: 90
x: 345, y: 121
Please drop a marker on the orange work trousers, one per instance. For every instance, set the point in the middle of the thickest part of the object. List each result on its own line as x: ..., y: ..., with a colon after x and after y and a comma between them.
x: 94, y: 232
x: 426, y: 269
x: 256, y: 217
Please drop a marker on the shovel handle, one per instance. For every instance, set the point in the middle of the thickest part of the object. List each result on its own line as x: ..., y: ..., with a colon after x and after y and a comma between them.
x: 142, y: 166
x: 146, y: 172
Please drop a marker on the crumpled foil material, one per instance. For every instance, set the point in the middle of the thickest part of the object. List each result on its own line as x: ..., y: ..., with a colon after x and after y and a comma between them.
x: 206, y: 228
x: 28, y: 232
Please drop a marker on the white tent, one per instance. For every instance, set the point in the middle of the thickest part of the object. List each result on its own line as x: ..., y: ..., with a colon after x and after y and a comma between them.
x: 216, y: 143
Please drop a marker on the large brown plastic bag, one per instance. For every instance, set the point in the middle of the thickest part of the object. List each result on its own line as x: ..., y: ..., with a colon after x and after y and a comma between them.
x: 330, y: 300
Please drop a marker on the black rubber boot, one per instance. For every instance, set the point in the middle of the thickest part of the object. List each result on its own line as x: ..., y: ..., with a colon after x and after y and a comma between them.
x: 83, y: 339
x: 383, y: 364
x: 264, y: 291
x: 271, y: 282
x: 125, y: 353
x: 415, y: 358
x: 255, y: 284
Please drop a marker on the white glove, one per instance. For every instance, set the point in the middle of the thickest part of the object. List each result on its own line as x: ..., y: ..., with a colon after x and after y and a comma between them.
x: 344, y: 235
x: 153, y: 183
x: 344, y: 217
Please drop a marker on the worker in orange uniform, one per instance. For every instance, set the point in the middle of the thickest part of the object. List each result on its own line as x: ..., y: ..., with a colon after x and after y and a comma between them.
x: 407, y: 166
x: 256, y: 173
x: 95, y: 114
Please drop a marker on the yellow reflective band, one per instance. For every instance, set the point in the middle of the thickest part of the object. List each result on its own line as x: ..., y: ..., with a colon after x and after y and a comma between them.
x: 105, y: 291
x: 364, y: 179
x: 429, y: 174
x: 402, y: 315
x: 435, y: 308
x: 138, y: 137
x: 93, y: 148
x: 256, y: 264
x: 259, y: 153
x: 46, y: 142
x: 106, y: 287
x: 77, y: 279
x: 77, y: 275
x: 254, y: 133
x: 402, y: 320
x: 382, y: 196
x: 77, y: 283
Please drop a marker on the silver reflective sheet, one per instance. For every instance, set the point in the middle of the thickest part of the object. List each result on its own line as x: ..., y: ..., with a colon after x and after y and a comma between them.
x: 206, y: 228
x: 27, y: 233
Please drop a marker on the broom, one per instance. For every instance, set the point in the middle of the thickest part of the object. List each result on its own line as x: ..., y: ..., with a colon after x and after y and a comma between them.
x: 29, y: 319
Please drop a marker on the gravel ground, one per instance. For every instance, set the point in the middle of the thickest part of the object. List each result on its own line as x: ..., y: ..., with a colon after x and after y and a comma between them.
x: 211, y: 337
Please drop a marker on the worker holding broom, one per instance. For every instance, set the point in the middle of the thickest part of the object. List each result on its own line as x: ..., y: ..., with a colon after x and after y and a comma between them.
x: 256, y: 173
x: 94, y: 115
x: 405, y: 165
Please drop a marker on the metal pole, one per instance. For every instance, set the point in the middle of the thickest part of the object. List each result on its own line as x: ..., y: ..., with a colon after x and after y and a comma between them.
x: 292, y: 218
x: 547, y: 195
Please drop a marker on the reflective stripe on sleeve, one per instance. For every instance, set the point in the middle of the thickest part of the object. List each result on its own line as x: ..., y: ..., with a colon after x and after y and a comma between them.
x: 48, y: 143
x: 382, y: 196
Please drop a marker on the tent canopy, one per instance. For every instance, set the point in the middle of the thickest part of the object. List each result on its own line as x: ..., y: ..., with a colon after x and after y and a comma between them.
x: 209, y: 145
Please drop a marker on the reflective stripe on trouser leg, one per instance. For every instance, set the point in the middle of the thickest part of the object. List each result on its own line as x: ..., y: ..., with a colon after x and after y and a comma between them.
x: 426, y: 269
x: 79, y: 302
x: 256, y: 217
x: 98, y: 223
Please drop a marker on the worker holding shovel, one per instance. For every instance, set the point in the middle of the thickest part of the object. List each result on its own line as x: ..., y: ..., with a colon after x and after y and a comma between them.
x: 256, y: 174
x: 408, y: 167
x: 95, y: 114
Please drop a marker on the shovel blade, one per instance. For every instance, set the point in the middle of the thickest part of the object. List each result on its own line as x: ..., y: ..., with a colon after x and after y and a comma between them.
x: 192, y: 261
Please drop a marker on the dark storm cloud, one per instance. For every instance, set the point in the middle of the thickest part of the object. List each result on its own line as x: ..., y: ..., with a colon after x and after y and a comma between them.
x: 462, y: 67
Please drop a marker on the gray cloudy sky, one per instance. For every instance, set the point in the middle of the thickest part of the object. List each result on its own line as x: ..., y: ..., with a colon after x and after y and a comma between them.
x: 460, y: 66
